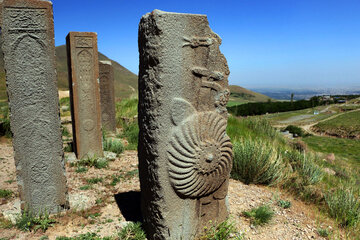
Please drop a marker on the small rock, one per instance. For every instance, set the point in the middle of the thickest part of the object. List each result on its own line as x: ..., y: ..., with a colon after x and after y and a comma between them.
x: 80, y: 201
x: 14, y: 212
x: 70, y: 157
x: 330, y: 158
x: 110, y: 155
x: 329, y: 171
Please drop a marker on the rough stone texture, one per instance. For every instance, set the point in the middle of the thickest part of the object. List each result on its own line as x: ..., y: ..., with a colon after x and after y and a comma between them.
x: 29, y: 58
x: 84, y: 93
x: 107, y: 96
x: 185, y: 156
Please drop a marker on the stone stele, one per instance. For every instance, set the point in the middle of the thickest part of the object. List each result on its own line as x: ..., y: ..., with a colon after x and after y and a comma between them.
x: 185, y: 156
x: 29, y: 58
x: 83, y: 69
x: 107, y: 96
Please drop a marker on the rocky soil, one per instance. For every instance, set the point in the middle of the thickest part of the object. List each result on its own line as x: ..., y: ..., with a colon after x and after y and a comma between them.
x: 109, y: 205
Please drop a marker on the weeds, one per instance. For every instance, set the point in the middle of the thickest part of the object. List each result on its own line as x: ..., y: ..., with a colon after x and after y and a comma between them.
x: 86, y: 236
x: 27, y: 221
x: 284, y: 204
x: 323, y: 232
x: 85, y: 187
x: 94, y: 180
x: 92, y: 162
x: 80, y: 169
x: 344, y: 206
x: 222, y: 231
x: 4, y: 193
x: 132, y: 231
x: 113, y: 145
x: 257, y: 162
x: 260, y: 215
x: 131, y: 133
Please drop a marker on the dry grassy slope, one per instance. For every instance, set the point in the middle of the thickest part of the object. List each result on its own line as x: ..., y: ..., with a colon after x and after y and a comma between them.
x: 125, y: 81
x: 247, y: 95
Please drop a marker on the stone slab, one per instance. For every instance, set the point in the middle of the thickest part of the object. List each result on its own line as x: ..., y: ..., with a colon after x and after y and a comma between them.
x: 83, y: 69
x: 107, y: 96
x: 185, y: 156
x: 29, y: 59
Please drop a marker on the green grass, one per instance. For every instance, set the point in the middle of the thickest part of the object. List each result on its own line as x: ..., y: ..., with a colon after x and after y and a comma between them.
x: 342, y: 148
x: 126, y: 112
x: 257, y: 161
x: 223, y: 231
x: 132, y: 231
x: 260, y: 215
x: 113, y: 145
x: 94, y: 180
x: 345, y: 125
x: 85, y: 187
x: 81, y: 169
x: 344, y: 206
x: 91, y: 162
x: 28, y: 221
x: 284, y: 204
x: 4, y: 193
x: 85, y: 236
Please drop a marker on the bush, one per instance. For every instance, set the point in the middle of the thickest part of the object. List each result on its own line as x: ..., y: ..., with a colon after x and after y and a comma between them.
x: 299, y: 145
x: 344, y: 206
x: 295, y: 130
x: 132, y: 231
x: 113, y: 145
x: 256, y: 161
x: 305, y: 165
x: 92, y: 162
x: 260, y: 215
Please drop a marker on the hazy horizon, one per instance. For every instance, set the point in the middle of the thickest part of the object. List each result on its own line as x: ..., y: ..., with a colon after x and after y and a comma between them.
x: 278, y: 44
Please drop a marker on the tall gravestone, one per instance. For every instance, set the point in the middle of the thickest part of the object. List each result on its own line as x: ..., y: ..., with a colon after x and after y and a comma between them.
x: 29, y: 58
x: 185, y: 156
x: 107, y: 96
x: 83, y: 70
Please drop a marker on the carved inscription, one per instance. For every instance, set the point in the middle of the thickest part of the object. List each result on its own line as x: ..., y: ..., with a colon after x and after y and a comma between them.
x: 82, y: 55
x: 107, y: 96
x: 35, y: 123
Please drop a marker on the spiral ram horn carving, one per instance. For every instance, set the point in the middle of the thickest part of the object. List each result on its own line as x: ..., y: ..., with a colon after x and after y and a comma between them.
x: 200, y: 154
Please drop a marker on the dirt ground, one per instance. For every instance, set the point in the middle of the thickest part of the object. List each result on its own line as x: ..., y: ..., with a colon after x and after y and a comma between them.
x: 105, y: 208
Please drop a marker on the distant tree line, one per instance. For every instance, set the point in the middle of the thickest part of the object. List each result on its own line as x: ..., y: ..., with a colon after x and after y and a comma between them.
x: 260, y: 108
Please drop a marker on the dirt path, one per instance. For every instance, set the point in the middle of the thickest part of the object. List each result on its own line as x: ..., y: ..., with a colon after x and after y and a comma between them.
x: 108, y: 205
x: 308, y: 127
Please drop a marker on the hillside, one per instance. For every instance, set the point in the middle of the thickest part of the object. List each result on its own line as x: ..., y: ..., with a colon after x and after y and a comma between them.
x: 240, y: 95
x: 125, y: 81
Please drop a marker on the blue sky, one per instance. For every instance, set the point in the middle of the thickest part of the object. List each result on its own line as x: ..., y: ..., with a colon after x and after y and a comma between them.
x: 268, y: 43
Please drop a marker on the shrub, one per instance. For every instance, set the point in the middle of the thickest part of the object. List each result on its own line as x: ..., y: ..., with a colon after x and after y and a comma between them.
x: 295, y: 130
x: 344, y: 206
x: 81, y: 169
x: 305, y: 165
x: 299, y: 145
x: 256, y: 161
x: 260, y: 215
x: 132, y: 231
x: 113, y: 145
x: 5, y: 129
x: 64, y: 131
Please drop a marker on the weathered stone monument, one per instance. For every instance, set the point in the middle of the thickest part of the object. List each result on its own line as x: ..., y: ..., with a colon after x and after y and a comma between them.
x: 29, y: 58
x: 83, y: 69
x: 185, y: 156
x: 107, y: 96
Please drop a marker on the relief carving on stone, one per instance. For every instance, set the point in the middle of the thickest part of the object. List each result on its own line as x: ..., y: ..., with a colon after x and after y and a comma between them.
x: 200, y: 152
